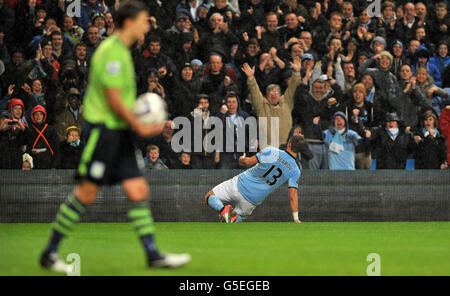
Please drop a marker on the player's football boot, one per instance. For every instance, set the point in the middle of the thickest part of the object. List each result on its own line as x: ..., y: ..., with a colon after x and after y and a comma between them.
x: 170, y: 261
x: 234, y: 217
x: 225, y: 215
x: 52, y: 261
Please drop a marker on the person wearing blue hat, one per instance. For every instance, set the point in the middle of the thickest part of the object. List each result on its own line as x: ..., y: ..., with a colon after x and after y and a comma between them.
x: 400, y: 59
x: 308, y: 62
x: 307, y: 56
x: 197, y: 67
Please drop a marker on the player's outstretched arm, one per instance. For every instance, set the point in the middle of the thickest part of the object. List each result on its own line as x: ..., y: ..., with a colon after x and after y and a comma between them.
x: 116, y: 104
x: 293, y: 199
x: 248, y: 160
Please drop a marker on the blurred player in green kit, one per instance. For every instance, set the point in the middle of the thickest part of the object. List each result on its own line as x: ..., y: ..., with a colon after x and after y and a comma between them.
x: 110, y: 155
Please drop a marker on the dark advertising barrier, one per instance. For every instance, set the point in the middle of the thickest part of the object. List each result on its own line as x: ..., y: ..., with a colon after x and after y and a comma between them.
x: 177, y: 195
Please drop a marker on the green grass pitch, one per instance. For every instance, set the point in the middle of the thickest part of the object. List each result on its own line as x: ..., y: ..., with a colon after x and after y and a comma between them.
x: 405, y: 248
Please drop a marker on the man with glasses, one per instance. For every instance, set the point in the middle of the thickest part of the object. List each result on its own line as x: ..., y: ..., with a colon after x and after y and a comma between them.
x: 307, y: 43
x: 274, y: 107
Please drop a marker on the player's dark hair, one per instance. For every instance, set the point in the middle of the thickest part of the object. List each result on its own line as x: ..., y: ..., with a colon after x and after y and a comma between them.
x: 297, y: 143
x: 128, y: 9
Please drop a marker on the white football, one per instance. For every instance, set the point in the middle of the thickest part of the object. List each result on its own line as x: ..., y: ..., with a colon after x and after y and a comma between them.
x: 150, y: 108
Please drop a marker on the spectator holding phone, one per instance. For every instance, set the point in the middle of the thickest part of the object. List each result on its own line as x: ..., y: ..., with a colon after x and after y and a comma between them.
x: 12, y: 141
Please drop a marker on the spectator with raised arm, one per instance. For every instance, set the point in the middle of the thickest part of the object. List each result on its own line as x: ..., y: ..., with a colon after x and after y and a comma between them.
x: 411, y: 97
x: 12, y: 141
x: 274, y: 105
x: 360, y: 116
x: 70, y: 149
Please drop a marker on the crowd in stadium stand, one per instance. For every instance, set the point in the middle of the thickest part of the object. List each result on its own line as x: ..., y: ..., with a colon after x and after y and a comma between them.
x: 367, y: 86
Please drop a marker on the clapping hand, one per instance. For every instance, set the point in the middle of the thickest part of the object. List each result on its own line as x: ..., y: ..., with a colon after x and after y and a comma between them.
x: 297, y: 64
x: 316, y: 120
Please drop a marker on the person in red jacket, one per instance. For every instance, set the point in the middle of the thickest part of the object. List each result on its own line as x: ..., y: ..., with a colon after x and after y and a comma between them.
x: 16, y: 109
x: 42, y: 140
x: 444, y: 124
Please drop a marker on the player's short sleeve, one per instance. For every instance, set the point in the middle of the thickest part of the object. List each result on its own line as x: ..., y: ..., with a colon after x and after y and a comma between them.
x: 268, y: 155
x: 293, y: 180
x: 112, y: 70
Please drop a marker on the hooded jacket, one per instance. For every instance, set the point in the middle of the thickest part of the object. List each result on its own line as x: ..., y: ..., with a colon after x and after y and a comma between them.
x: 44, y: 138
x: 341, y: 147
x: 185, y: 93
x: 432, y: 69
x: 392, y: 152
x: 440, y: 63
x: 15, y: 102
x: 384, y: 80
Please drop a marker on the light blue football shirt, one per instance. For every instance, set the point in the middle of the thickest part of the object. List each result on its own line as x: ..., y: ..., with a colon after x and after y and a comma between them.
x: 274, y: 168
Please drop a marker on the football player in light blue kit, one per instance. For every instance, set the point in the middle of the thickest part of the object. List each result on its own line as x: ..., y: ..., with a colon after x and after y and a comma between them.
x: 235, y: 199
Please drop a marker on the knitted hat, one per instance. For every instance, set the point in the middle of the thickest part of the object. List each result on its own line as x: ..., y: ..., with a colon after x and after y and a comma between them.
x: 186, y: 65
x: 27, y: 157
x: 95, y: 15
x: 387, y: 54
x: 379, y: 39
x: 360, y: 87
x: 181, y: 14
x: 197, y: 62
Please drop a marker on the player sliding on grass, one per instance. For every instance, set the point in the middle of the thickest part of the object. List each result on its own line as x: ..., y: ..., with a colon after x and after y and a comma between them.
x: 249, y: 189
x: 110, y: 155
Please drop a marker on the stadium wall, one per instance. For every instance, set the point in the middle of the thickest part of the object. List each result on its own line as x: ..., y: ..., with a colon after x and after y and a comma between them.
x: 177, y: 195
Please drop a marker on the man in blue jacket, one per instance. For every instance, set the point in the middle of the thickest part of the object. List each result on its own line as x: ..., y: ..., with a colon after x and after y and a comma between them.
x: 341, y: 142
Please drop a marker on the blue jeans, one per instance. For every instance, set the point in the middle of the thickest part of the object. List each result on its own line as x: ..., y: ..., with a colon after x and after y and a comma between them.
x: 320, y: 157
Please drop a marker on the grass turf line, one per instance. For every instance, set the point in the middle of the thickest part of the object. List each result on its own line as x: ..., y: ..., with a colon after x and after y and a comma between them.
x: 341, y: 248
